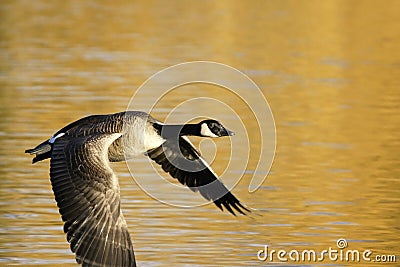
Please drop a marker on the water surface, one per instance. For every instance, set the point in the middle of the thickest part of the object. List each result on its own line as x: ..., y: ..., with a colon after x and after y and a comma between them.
x: 329, y: 69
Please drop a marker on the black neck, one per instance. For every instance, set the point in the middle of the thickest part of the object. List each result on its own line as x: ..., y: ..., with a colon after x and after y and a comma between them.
x: 168, y: 131
x: 191, y: 129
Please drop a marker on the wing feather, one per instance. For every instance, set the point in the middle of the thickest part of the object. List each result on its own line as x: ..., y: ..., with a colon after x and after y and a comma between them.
x: 87, y: 194
x: 181, y: 160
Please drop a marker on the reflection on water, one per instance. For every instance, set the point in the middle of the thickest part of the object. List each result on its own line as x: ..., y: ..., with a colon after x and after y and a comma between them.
x: 329, y: 71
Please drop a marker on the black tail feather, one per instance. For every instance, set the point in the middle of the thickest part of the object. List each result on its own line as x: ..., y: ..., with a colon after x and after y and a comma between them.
x: 40, y: 157
x: 41, y: 151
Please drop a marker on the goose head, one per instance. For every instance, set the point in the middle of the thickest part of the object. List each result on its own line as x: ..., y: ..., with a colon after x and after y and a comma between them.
x: 213, y: 128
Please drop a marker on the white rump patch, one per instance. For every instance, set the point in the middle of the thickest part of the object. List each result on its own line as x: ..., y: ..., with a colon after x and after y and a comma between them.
x: 53, y: 138
x: 205, y: 131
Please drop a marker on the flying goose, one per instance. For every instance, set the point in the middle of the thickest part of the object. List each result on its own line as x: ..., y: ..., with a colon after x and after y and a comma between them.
x: 86, y: 188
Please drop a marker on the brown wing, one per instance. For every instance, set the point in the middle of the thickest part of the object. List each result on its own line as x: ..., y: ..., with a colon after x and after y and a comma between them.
x: 87, y: 194
x: 181, y: 160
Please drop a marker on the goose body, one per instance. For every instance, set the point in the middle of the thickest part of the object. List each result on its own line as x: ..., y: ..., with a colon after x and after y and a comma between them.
x: 86, y: 188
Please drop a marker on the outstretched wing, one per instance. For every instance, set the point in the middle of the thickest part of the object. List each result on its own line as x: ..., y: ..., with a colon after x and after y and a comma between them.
x: 87, y: 194
x: 181, y: 160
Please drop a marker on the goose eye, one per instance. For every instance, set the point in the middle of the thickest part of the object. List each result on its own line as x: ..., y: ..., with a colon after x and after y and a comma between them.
x: 213, y: 125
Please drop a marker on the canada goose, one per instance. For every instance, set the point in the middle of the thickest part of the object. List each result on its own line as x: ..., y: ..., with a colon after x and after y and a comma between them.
x: 86, y: 188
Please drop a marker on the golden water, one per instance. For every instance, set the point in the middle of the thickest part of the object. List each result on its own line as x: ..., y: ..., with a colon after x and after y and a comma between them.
x: 329, y: 69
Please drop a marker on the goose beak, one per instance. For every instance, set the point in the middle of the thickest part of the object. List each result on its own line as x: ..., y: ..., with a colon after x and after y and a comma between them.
x: 229, y: 133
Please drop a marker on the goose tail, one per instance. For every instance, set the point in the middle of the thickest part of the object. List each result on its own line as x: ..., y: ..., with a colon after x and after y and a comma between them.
x: 41, y: 151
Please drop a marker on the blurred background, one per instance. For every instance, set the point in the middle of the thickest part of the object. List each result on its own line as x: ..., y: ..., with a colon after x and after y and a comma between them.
x: 329, y: 70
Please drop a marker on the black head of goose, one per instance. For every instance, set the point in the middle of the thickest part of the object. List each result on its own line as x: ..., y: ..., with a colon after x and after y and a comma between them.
x: 86, y: 188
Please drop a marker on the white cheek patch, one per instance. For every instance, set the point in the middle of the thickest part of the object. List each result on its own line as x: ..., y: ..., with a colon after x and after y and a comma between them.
x: 53, y: 138
x: 205, y: 131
